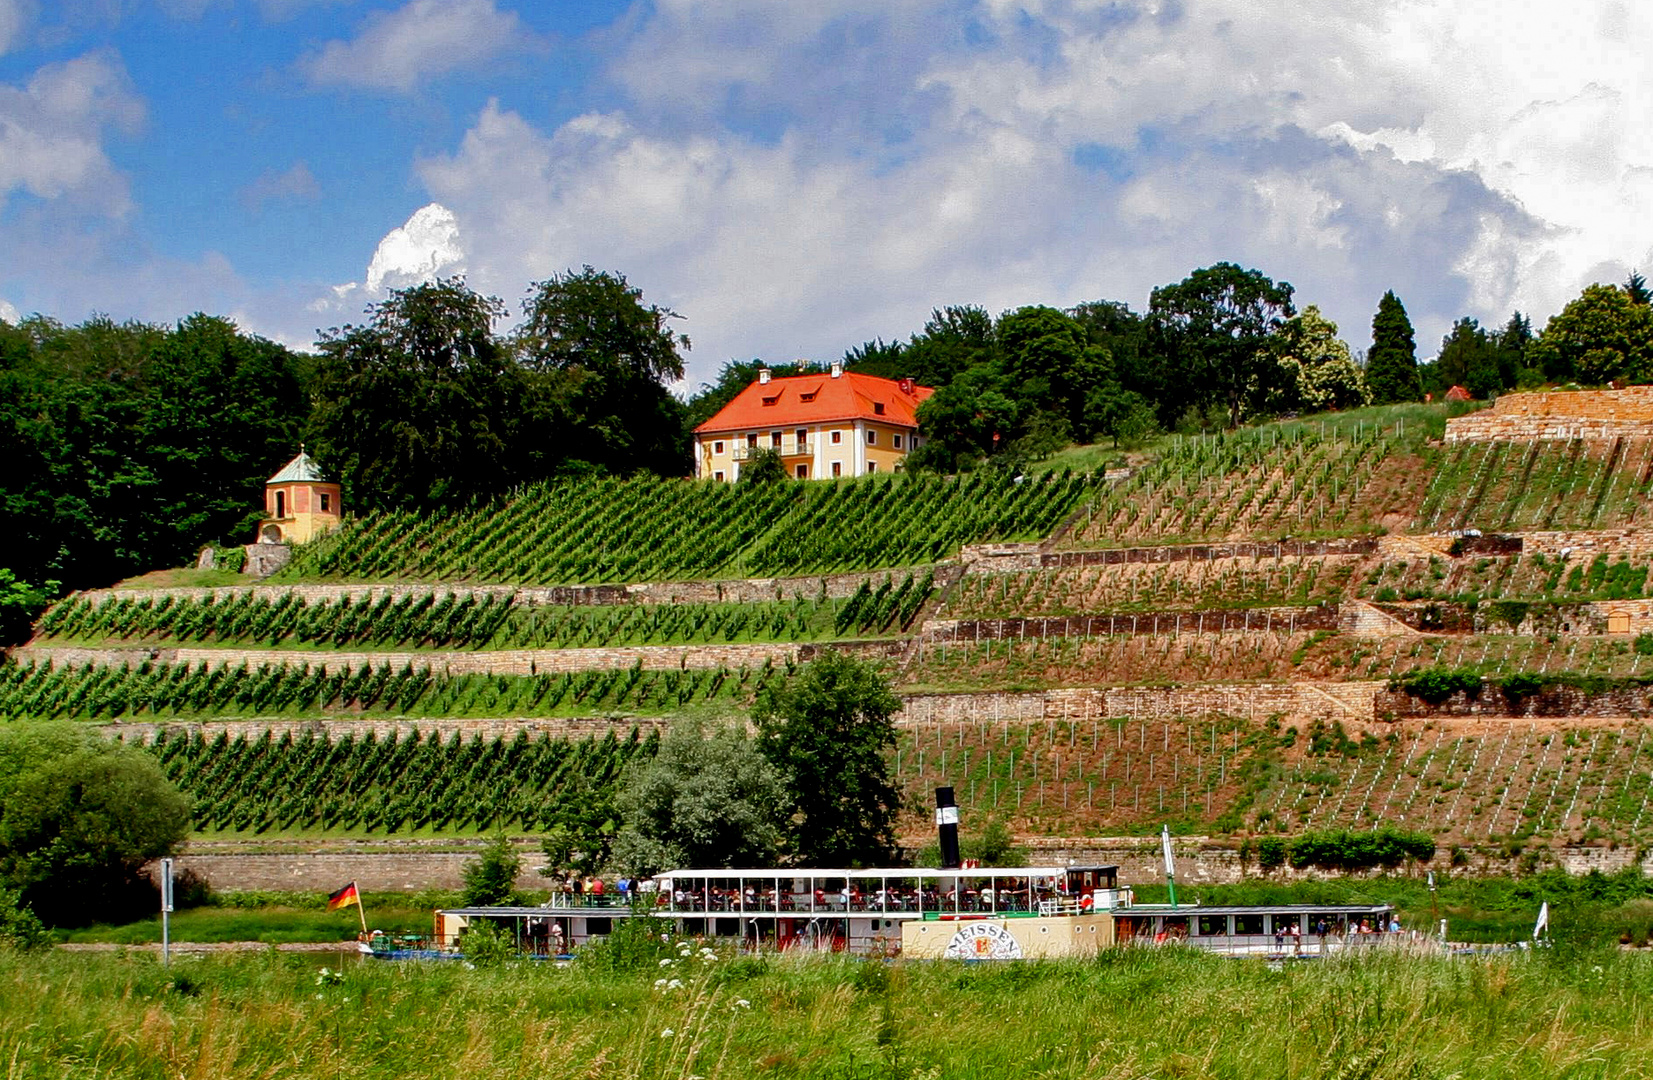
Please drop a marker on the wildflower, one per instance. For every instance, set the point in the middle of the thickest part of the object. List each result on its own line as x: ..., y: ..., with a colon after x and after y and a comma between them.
x: 666, y: 963
x: 742, y: 1003
x: 668, y: 1033
x: 658, y: 983
x: 675, y: 984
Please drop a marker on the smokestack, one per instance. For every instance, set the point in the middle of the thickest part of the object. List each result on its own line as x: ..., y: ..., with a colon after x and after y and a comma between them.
x: 947, y: 828
x: 763, y: 375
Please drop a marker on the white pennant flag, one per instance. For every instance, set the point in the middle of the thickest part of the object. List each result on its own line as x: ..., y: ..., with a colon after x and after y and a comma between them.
x: 1543, y: 920
x: 1165, y: 844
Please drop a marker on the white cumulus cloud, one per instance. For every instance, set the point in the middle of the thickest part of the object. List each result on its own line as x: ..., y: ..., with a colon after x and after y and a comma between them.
x: 8, y: 313
x: 52, y: 130
x: 398, y: 50
x: 426, y: 247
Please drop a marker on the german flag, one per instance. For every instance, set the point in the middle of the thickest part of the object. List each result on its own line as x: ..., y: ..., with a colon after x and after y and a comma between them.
x: 344, y: 898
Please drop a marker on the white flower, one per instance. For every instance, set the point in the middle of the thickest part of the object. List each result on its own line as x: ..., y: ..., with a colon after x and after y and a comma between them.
x: 675, y: 984
x: 666, y: 963
x: 742, y: 1003
x: 658, y: 983
x: 668, y: 1033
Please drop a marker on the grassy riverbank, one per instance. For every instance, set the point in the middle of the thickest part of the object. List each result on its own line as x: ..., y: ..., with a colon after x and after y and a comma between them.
x: 1133, y: 1013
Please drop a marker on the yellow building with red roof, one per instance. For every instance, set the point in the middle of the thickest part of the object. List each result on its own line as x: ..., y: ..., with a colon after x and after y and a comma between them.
x: 836, y: 423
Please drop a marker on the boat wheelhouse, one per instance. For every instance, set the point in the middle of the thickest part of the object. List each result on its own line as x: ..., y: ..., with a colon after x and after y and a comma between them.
x: 550, y: 930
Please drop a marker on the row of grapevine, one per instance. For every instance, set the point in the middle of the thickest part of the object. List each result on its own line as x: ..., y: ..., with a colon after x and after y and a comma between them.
x: 393, y: 784
x: 1544, y: 484
x: 1127, y: 587
x: 1299, y: 480
x: 1518, y: 577
x: 161, y: 691
x: 429, y: 620
x: 648, y: 529
x: 883, y: 609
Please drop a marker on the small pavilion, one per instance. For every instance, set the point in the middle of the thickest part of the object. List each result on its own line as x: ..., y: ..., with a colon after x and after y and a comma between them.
x: 299, y: 503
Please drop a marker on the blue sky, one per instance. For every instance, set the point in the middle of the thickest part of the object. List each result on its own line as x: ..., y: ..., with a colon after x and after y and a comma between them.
x: 796, y: 179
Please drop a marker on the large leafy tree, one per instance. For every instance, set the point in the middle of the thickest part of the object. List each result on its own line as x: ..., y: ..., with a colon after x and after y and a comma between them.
x: 828, y: 733
x: 611, y: 357
x: 416, y: 407
x: 1050, y: 364
x: 228, y: 410
x: 970, y: 419
x: 1392, y: 362
x: 1218, y: 327
x: 79, y: 818
x: 707, y: 798
x: 956, y: 339
x: 1603, y: 335
x: 1320, y: 373
x: 129, y: 445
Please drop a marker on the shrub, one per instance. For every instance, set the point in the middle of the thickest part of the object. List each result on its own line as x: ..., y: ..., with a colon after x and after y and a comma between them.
x: 491, y: 879
x: 1436, y: 684
x: 19, y: 929
x: 1345, y: 850
x: 486, y: 945
x: 1271, y: 852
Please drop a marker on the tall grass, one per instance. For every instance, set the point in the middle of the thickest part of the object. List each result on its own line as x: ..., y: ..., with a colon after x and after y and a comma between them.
x: 1133, y: 1013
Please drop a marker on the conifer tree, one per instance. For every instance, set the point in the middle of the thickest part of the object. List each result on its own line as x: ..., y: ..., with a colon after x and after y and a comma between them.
x: 1392, y: 365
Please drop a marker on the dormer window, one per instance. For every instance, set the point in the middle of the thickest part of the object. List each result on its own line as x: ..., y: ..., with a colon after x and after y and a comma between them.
x: 878, y: 408
x: 772, y: 400
x: 807, y: 397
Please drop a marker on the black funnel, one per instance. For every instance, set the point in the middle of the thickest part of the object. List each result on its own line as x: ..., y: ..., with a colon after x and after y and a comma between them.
x: 947, y: 827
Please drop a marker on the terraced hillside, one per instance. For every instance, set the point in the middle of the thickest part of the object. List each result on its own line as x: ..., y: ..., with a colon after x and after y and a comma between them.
x: 1273, y: 630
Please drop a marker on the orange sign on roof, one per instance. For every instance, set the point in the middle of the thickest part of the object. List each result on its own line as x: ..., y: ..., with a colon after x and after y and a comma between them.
x: 811, y: 399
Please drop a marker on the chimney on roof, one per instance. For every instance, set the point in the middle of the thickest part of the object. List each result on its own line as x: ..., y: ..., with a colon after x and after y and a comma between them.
x: 837, y: 369
x: 763, y: 375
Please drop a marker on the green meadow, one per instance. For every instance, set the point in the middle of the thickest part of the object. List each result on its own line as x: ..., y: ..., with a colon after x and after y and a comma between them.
x: 1563, y: 1012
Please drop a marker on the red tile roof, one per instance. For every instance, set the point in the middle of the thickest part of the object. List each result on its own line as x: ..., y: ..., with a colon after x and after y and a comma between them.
x: 814, y: 399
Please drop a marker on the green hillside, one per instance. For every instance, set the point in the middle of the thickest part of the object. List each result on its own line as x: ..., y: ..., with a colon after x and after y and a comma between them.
x: 1220, y: 593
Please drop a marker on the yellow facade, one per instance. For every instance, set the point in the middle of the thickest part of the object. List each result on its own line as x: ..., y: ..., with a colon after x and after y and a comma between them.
x: 843, y: 448
x: 298, y: 504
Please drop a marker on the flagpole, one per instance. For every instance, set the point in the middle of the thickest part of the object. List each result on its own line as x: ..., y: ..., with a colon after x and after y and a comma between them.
x: 360, y: 910
x: 1170, y: 867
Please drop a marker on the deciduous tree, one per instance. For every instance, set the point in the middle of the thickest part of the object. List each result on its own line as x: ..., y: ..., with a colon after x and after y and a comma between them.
x: 1602, y: 335
x: 828, y: 733
x: 79, y: 817
x: 415, y: 408
x: 1218, y: 327
x: 1320, y: 373
x: 707, y: 798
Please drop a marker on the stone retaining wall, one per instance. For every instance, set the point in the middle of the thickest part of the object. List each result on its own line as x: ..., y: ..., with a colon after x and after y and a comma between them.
x: 1293, y: 702
x: 1562, y: 702
x: 1208, y: 552
x: 324, y: 871
x: 1289, y: 620
x: 144, y: 733
x: 1562, y: 414
x: 744, y: 591
x: 503, y: 662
